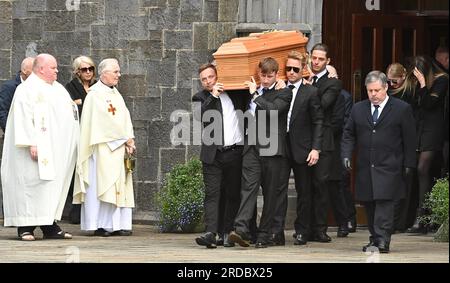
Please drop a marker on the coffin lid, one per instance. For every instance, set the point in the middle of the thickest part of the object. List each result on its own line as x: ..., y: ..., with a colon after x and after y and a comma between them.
x: 257, y: 43
x: 237, y: 61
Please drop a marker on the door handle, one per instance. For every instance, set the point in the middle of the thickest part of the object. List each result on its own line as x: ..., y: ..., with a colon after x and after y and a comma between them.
x: 356, y: 85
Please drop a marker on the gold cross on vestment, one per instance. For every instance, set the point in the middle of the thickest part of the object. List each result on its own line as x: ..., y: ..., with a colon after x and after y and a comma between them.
x: 45, y: 162
x: 112, y: 109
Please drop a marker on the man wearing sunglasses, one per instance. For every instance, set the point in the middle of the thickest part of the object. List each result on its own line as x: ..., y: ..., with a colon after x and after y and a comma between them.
x: 304, y: 141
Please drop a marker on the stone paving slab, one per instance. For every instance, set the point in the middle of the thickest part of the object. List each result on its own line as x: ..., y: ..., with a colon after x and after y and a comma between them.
x: 146, y: 245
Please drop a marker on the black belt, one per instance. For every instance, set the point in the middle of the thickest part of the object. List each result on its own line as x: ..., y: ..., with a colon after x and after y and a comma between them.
x: 227, y: 148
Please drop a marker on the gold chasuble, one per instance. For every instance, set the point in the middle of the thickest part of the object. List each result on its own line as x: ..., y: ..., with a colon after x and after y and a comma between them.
x: 105, y: 119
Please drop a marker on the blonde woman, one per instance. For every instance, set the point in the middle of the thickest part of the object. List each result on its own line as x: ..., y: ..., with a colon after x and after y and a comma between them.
x: 83, y: 77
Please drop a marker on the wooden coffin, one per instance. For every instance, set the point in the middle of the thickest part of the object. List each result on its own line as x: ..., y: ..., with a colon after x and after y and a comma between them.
x: 237, y: 61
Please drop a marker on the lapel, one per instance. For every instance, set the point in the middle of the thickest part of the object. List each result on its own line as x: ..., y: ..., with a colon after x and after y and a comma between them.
x: 217, y: 101
x: 385, y: 112
x: 321, y: 80
x: 299, y: 98
x: 369, y: 112
x: 387, y: 108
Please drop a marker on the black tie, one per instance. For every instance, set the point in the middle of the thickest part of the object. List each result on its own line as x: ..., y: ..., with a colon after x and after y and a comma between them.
x: 291, y: 86
x: 375, y: 114
x: 314, y: 80
x: 265, y: 90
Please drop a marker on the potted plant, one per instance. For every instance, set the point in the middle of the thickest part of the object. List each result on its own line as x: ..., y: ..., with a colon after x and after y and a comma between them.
x: 437, y: 202
x: 180, y: 200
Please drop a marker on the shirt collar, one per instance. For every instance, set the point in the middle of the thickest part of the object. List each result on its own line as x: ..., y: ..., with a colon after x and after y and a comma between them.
x: 321, y: 74
x: 260, y: 89
x: 382, y: 104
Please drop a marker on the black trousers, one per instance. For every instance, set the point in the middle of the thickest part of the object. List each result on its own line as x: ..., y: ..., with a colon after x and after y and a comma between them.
x: 320, y: 192
x: 222, y: 181
x: 265, y: 172
x: 46, y: 229
x: 338, y: 203
x: 380, y: 219
x: 348, y: 197
x: 303, y: 186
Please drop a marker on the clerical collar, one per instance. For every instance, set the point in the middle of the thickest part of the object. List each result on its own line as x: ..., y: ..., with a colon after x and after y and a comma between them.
x: 111, y: 87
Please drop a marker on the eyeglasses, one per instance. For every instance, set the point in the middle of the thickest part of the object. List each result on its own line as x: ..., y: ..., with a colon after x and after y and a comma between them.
x: 85, y: 69
x: 393, y: 82
x: 296, y: 69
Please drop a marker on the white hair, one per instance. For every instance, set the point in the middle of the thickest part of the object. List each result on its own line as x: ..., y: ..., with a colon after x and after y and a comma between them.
x: 105, y: 64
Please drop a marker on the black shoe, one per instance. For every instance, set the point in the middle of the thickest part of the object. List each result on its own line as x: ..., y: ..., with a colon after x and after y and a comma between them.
x: 342, y: 231
x: 226, y: 241
x: 417, y: 229
x: 383, y: 247
x: 220, y: 239
x: 122, y: 233
x: 300, y: 240
x: 236, y: 237
x: 321, y: 237
x: 208, y: 240
x: 370, y: 245
x: 278, y: 239
x: 261, y: 245
x: 102, y: 233
x: 352, y: 225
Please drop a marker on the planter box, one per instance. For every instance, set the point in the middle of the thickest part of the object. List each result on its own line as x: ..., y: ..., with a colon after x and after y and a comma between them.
x: 238, y: 59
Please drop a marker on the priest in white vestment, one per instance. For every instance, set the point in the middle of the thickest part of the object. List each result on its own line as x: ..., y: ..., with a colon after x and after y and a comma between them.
x: 39, y: 153
x: 102, y: 185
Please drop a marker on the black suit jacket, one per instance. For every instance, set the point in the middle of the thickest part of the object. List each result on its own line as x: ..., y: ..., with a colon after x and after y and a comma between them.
x: 305, y: 125
x: 279, y: 101
x: 383, y: 150
x: 329, y: 90
x: 209, y: 102
x: 6, y: 96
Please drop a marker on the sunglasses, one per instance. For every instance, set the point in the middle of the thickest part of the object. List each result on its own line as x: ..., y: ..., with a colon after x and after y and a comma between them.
x: 393, y: 82
x: 85, y: 69
x: 296, y: 70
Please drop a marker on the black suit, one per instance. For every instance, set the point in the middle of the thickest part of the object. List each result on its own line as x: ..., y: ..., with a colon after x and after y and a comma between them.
x: 305, y: 134
x: 384, y: 150
x: 262, y: 168
x: 222, y: 169
x: 329, y: 91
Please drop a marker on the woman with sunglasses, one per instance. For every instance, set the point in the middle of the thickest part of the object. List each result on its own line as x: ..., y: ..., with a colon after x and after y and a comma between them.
x: 396, y: 75
x: 83, y: 78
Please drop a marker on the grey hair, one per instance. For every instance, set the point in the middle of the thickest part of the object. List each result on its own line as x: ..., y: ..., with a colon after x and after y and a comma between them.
x: 376, y: 76
x: 105, y: 64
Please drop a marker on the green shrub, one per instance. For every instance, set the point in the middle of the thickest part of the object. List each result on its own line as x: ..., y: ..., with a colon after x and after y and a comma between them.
x: 437, y: 202
x: 180, y: 200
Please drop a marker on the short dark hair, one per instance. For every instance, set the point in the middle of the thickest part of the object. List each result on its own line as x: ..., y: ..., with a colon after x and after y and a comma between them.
x: 321, y: 47
x: 207, y: 66
x: 268, y: 65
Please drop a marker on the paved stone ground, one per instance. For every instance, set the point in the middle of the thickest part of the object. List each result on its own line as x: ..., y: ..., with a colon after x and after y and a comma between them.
x: 147, y: 245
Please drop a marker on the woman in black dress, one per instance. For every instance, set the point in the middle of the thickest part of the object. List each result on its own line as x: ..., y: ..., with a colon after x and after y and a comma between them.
x: 426, y: 88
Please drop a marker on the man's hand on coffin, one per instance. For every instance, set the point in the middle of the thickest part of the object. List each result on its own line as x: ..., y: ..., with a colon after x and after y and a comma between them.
x: 252, y: 86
